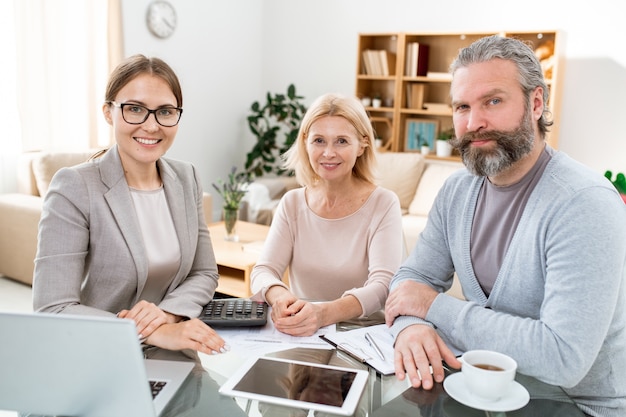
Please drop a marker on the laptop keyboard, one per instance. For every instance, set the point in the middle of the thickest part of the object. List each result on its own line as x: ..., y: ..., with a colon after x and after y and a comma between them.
x: 234, y: 312
x: 156, y: 387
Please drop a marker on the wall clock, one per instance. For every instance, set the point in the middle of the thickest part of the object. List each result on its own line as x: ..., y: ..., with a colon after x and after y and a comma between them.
x: 161, y: 18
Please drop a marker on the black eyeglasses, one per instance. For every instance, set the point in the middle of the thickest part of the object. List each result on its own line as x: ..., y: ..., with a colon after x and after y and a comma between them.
x: 136, y: 114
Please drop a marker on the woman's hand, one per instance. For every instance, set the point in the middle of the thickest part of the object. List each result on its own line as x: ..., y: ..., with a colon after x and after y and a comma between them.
x: 286, y: 306
x: 298, y: 319
x: 148, y: 317
x: 190, y: 334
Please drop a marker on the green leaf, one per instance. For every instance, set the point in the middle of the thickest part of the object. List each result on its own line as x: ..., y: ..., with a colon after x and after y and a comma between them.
x: 233, y: 191
x: 275, y: 126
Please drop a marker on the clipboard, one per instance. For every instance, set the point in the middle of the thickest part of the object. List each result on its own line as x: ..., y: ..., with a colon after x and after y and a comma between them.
x: 353, y: 343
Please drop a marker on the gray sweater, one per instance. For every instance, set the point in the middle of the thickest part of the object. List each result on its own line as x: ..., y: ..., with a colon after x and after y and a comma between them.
x: 558, y: 305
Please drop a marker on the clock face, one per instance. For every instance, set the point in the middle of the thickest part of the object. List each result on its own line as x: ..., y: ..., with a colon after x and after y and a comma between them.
x: 161, y: 18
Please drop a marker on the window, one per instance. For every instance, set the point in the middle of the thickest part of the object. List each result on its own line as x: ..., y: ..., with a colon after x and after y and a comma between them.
x: 55, y: 52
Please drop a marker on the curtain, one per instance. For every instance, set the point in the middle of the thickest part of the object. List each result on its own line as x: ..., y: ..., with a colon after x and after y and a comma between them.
x: 58, y: 57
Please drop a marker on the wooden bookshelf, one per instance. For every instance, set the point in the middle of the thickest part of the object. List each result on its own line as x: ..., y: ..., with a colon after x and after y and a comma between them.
x: 389, y: 120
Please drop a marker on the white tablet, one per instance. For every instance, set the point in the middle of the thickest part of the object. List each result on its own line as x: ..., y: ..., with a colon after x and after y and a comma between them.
x: 303, y: 385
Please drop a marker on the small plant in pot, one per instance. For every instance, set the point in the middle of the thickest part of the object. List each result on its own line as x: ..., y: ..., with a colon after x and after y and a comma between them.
x: 446, y: 134
x: 424, y: 146
x: 619, y: 183
x: 279, y: 118
x: 377, y: 100
x: 443, y: 147
x: 232, y: 192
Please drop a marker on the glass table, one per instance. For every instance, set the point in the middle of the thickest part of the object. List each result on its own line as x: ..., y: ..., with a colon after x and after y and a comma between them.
x: 384, y: 396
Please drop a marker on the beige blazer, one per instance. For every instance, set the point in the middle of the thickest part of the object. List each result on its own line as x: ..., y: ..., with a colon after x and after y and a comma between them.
x: 90, y: 256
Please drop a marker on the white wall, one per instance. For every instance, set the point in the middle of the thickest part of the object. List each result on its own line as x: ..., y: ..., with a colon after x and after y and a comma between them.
x: 235, y: 51
x: 216, y: 53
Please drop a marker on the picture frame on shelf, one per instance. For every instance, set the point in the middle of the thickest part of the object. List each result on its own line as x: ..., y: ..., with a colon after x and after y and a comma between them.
x: 418, y: 131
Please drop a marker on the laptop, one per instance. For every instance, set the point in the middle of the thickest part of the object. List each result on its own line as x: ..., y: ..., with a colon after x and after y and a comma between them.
x: 57, y: 364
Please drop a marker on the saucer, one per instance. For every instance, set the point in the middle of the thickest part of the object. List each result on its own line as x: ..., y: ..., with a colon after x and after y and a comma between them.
x: 517, y: 397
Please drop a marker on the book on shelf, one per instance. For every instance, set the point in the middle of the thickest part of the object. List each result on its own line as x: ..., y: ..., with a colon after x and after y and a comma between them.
x: 388, y: 62
x: 439, y: 75
x: 379, y: 62
x: 415, y: 95
x: 416, y: 63
x: 437, y: 107
x: 367, y: 64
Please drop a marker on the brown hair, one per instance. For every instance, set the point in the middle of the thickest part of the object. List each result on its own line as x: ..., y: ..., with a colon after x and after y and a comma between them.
x: 139, y: 64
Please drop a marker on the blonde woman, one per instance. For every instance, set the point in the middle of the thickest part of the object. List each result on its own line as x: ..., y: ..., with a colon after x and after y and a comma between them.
x: 340, y: 235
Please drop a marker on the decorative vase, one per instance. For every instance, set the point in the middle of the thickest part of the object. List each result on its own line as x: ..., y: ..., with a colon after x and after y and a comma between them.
x: 230, y: 223
x: 425, y: 150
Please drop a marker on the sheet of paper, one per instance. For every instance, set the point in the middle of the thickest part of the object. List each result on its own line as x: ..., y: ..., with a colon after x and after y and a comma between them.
x: 265, y: 339
x: 354, y: 343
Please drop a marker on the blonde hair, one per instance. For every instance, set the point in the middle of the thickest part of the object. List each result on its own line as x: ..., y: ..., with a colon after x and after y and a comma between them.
x: 351, y: 109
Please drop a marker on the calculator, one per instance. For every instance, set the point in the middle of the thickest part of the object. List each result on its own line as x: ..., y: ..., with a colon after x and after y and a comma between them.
x: 234, y: 312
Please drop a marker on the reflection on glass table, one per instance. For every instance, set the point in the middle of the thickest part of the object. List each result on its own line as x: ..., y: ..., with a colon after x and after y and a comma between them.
x: 545, y: 400
x: 385, y: 395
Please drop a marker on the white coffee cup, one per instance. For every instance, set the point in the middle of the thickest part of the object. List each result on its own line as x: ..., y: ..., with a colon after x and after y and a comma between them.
x: 488, y: 374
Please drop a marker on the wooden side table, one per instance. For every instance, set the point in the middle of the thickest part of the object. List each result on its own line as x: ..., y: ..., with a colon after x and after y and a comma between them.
x: 235, y: 260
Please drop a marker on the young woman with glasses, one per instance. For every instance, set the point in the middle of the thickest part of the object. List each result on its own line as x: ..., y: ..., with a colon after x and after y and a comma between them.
x: 124, y: 234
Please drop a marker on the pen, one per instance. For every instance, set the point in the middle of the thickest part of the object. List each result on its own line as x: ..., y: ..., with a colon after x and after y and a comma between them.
x: 373, y: 344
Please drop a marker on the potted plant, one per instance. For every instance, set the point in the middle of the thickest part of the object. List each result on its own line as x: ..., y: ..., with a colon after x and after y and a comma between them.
x: 443, y: 147
x: 278, y: 118
x: 232, y: 192
x: 377, y: 100
x: 619, y: 183
x: 424, y: 146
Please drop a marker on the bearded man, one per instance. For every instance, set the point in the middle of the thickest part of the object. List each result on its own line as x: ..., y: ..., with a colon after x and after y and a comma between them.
x: 537, y: 240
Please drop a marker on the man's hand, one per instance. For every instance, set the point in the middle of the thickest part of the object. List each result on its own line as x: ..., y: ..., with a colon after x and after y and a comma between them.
x: 417, y: 349
x: 409, y: 298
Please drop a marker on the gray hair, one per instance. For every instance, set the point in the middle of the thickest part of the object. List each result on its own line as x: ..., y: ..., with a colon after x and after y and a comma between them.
x: 518, y: 52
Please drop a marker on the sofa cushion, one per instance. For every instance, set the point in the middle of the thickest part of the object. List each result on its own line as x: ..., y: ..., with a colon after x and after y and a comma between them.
x: 400, y: 172
x: 412, y: 227
x: 47, y: 164
x: 435, y: 174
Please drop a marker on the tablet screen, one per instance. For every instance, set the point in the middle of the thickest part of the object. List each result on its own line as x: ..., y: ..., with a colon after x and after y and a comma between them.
x: 299, y: 384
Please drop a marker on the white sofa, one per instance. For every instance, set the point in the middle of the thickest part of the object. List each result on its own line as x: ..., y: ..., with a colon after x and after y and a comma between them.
x: 416, y: 180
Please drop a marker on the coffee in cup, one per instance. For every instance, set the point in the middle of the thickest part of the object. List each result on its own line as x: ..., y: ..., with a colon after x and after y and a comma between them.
x: 488, y: 374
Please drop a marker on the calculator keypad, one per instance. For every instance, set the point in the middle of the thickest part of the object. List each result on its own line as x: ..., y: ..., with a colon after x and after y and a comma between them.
x: 237, y: 312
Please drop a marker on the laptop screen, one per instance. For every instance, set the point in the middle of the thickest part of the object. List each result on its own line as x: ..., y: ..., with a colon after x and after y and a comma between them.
x: 57, y: 364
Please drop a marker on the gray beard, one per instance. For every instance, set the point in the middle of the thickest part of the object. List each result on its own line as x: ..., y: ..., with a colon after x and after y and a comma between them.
x: 511, y: 147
